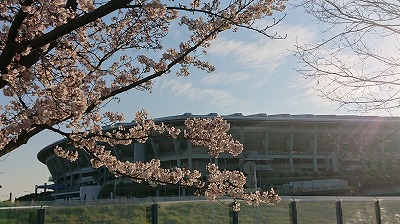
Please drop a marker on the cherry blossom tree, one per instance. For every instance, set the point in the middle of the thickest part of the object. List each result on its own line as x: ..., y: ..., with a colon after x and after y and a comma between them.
x: 62, y: 61
x: 356, y: 63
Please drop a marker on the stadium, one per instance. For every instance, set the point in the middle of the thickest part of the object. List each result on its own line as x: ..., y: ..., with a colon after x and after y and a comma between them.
x: 295, y: 154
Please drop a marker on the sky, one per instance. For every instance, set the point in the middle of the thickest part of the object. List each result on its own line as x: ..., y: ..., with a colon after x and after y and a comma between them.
x: 254, y: 74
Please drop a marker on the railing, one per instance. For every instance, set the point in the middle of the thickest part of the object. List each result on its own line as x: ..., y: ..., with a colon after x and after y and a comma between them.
x: 293, y: 210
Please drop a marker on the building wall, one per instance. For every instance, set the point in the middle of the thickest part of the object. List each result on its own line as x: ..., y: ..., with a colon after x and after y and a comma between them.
x: 283, y: 148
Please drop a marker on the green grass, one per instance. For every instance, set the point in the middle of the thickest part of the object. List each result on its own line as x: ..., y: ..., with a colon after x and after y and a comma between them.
x: 18, y: 216
x: 203, y: 212
x: 134, y: 213
x: 196, y: 212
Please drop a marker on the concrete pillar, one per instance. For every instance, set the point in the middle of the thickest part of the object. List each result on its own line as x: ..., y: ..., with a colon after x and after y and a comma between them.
x: 65, y: 179
x: 336, y: 151
x: 52, y: 166
x: 314, y: 145
x: 334, y: 158
x: 177, y: 147
x: 328, y: 162
x: 71, y: 181
x: 116, y: 152
x: 132, y: 148
x: 183, y: 192
x: 59, y: 163
x: 266, y: 140
x: 189, y: 154
x: 138, y: 152
x: 105, y: 175
x: 87, y: 157
x: 67, y: 164
x: 381, y: 162
x: 155, y: 147
x: 290, y: 144
x: 361, y: 148
x: 241, y: 135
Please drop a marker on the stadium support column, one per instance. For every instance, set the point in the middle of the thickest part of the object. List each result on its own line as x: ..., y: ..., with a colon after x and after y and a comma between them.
x: 361, y: 152
x: 266, y: 140
x: 58, y: 162
x: 381, y: 162
x: 116, y: 151
x: 314, y: 145
x: 138, y: 152
x: 241, y: 134
x: 291, y: 166
x: 177, y: 147
x: 71, y: 175
x: 189, y: 154
x: 155, y: 147
x: 51, y: 165
x: 241, y: 140
x: 335, y: 157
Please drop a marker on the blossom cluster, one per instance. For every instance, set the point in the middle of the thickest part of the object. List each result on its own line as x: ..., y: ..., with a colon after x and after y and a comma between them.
x: 58, y: 59
x: 62, y: 61
x: 213, y: 134
x: 204, y: 132
x: 231, y: 183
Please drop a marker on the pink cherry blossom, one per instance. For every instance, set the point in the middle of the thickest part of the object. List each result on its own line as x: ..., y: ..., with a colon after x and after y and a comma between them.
x: 61, y: 61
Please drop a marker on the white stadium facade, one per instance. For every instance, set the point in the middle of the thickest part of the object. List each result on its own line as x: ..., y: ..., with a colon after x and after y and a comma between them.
x: 296, y: 154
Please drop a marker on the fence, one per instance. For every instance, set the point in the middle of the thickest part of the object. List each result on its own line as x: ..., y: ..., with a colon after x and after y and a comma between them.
x: 296, y: 210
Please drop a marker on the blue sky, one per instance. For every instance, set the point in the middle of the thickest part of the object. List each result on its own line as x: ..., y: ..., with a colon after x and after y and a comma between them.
x: 254, y: 74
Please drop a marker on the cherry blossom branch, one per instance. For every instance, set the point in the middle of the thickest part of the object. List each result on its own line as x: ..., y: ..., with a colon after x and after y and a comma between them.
x: 219, y: 183
x: 34, y: 56
x: 25, y: 135
x: 159, y: 73
x: 11, y: 48
x: 68, y: 61
x: 233, y: 22
x: 10, y: 44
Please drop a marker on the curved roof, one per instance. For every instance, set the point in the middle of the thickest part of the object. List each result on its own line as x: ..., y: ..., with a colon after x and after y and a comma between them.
x: 239, y: 117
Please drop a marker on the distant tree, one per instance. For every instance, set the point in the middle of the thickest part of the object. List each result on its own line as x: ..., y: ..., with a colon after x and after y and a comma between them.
x: 43, y: 196
x: 62, y: 61
x: 357, y: 61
